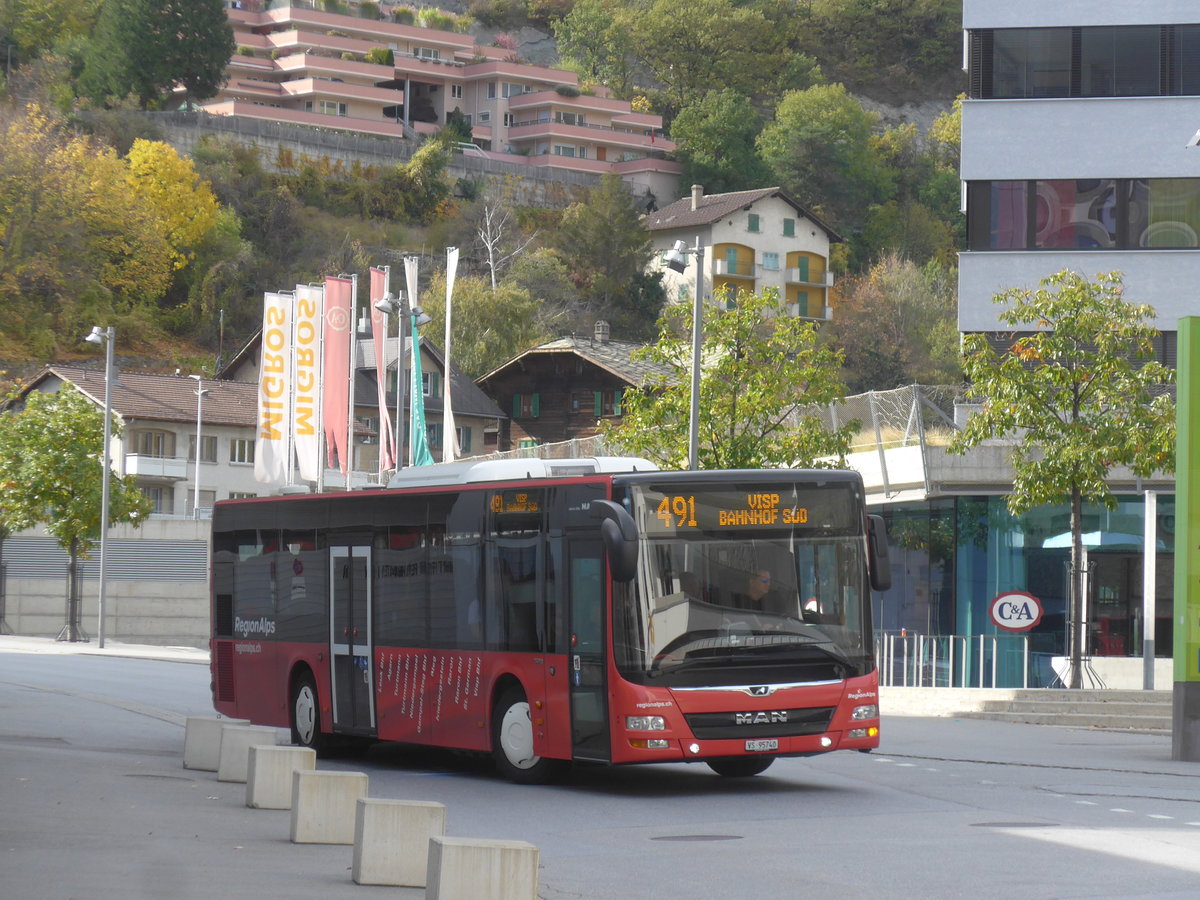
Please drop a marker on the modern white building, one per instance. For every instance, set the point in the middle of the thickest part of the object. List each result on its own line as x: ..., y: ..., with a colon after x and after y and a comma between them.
x: 1078, y: 151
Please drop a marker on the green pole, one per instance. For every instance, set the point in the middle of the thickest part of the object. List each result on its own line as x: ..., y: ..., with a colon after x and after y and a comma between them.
x: 1185, y: 741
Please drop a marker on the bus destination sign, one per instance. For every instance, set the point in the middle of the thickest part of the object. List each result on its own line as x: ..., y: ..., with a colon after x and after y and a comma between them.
x: 683, y: 511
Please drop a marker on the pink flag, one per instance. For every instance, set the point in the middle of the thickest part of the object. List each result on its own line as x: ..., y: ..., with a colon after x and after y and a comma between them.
x: 379, y: 321
x: 335, y: 408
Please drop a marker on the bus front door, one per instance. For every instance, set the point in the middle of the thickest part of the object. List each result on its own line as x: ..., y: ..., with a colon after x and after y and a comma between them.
x: 351, y: 673
x: 589, y: 688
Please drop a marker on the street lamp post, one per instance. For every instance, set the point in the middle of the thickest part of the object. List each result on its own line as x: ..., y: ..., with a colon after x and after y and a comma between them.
x: 200, y: 392
x: 677, y: 262
x: 397, y: 304
x: 107, y: 337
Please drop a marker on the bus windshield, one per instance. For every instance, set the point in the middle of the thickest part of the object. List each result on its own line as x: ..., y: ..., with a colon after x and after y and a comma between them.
x: 753, y: 584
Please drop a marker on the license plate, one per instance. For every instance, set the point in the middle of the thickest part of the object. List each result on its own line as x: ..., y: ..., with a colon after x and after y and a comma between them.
x: 759, y: 746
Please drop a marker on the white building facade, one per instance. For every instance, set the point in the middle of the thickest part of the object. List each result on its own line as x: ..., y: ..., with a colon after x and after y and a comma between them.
x: 1076, y: 151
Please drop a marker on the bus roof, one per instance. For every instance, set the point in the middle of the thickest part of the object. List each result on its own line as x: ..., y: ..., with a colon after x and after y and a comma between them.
x: 470, y: 471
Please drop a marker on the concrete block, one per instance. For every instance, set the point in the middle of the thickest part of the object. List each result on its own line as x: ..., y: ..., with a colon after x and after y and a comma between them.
x: 236, y: 741
x: 202, y: 741
x: 391, y: 840
x: 269, y: 771
x: 324, y: 806
x: 481, y: 869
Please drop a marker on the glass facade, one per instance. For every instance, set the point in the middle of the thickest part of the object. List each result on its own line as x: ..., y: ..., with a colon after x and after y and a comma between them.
x: 952, y: 556
x: 1089, y: 61
x: 1084, y: 214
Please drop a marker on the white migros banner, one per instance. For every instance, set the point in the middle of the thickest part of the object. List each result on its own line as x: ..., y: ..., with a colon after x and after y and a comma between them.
x: 271, y: 449
x: 306, y: 418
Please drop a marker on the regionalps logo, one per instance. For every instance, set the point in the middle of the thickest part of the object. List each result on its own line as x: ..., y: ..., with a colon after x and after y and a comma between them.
x: 246, y: 627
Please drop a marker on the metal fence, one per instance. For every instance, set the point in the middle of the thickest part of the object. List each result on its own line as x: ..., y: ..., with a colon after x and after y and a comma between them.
x: 955, y: 660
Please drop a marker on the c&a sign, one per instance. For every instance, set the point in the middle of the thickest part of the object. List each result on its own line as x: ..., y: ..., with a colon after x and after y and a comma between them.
x: 1016, y: 611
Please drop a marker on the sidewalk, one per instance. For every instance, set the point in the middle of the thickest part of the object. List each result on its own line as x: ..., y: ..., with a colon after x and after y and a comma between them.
x: 10, y: 643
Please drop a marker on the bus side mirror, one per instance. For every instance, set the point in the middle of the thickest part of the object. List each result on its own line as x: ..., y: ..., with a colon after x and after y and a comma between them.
x: 618, y: 532
x: 879, y: 558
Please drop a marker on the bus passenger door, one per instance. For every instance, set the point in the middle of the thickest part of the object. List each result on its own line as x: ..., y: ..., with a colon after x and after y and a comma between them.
x: 589, y: 688
x: 351, y: 673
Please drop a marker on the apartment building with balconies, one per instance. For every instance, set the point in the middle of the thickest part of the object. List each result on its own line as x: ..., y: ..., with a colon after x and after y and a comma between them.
x: 305, y: 66
x: 752, y: 240
x: 1075, y: 152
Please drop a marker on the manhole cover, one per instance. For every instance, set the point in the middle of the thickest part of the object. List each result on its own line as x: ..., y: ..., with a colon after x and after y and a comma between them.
x: 698, y: 837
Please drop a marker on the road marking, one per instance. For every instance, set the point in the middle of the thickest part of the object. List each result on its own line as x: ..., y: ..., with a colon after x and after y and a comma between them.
x: 1160, y: 816
x: 1085, y: 803
x: 1118, y: 809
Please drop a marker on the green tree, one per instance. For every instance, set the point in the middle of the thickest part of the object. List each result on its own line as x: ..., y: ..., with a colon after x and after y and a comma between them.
x: 764, y: 373
x: 688, y: 46
x: 897, y: 325
x: 147, y: 47
x: 606, y: 248
x: 1075, y: 392
x: 51, y: 454
x: 488, y: 327
x: 35, y: 26
x: 819, y: 147
x: 593, y: 40
x: 716, y: 143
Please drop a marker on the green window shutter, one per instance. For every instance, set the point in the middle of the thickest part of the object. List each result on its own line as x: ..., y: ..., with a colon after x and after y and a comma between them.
x: 516, y: 406
x: 599, y: 399
x: 466, y: 440
x: 803, y: 266
x: 789, y: 227
x: 617, y: 395
x: 753, y: 223
x: 731, y: 259
x: 536, y: 404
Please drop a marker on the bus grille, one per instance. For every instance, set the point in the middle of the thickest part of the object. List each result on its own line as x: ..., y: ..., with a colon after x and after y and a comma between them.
x: 760, y: 723
x: 225, y: 692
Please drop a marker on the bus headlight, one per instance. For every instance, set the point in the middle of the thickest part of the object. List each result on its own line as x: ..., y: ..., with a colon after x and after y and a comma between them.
x: 645, y: 723
x: 870, y: 711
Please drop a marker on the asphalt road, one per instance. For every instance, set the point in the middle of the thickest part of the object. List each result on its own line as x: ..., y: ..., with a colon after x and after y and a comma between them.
x: 95, y: 803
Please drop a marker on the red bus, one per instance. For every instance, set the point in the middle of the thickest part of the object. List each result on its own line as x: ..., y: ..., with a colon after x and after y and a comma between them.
x: 548, y: 611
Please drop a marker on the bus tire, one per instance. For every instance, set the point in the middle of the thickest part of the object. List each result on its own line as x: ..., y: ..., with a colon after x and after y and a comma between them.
x: 512, y: 741
x: 740, y: 766
x: 306, y: 715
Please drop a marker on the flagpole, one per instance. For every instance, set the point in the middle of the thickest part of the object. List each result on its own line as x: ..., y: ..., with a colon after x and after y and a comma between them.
x: 349, y: 463
x: 449, y: 434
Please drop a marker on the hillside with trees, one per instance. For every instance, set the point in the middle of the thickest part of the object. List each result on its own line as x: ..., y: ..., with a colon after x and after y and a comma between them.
x: 102, y: 221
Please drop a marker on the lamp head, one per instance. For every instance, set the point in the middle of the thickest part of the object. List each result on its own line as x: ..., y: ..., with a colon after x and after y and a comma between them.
x: 677, y: 257
x: 422, y: 318
x: 97, y: 336
x: 390, y: 303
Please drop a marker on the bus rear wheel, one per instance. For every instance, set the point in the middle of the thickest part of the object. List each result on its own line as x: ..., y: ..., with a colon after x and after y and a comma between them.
x: 740, y: 766
x: 512, y: 742
x: 306, y: 715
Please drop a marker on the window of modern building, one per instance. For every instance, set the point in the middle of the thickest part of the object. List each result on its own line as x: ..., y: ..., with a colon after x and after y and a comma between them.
x: 1091, y: 61
x: 1084, y: 214
x: 1119, y: 61
x: 456, y: 92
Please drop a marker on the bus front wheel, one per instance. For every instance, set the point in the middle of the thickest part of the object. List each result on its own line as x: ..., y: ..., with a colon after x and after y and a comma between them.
x: 512, y: 741
x: 740, y: 766
x: 306, y: 715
